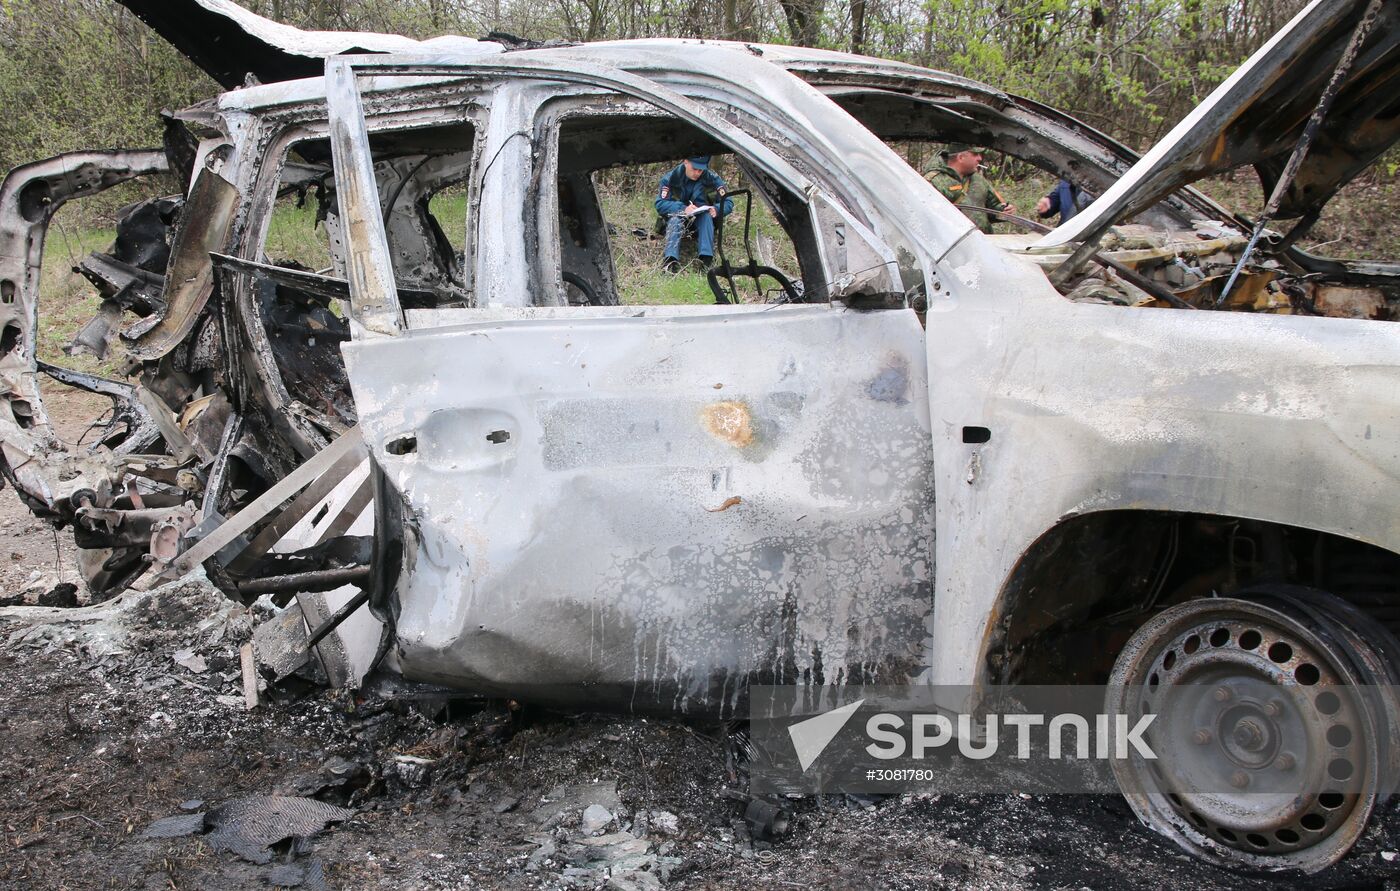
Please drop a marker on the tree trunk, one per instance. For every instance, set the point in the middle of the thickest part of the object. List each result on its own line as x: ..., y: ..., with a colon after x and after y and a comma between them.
x: 804, y: 20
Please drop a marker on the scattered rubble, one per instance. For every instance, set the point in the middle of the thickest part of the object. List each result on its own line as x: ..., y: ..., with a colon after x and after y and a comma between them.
x: 120, y: 765
x: 191, y: 660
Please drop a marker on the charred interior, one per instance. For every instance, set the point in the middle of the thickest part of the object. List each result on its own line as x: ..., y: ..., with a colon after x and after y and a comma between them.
x: 1178, y: 252
x: 1088, y: 584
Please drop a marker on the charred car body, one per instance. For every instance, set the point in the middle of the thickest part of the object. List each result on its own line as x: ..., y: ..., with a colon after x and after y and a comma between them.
x: 944, y: 458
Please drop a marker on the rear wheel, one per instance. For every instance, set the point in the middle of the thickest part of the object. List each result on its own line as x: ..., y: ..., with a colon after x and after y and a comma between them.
x: 1273, y: 726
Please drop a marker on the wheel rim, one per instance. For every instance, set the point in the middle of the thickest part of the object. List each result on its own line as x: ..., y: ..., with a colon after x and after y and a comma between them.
x: 1266, y: 754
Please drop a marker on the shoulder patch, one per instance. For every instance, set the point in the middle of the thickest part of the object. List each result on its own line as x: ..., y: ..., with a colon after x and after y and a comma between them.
x: 665, y: 191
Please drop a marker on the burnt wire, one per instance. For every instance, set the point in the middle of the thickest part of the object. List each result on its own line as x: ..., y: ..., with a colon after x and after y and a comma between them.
x: 823, y: 294
x: 398, y: 190
x: 1172, y: 548
x: 106, y: 419
x: 500, y: 148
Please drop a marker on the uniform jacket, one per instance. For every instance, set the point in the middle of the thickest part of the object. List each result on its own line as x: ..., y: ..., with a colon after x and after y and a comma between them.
x: 974, y: 191
x: 1067, y: 199
x: 677, y: 190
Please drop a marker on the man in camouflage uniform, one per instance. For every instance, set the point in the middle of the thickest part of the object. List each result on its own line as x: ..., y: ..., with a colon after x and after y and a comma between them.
x: 957, y: 178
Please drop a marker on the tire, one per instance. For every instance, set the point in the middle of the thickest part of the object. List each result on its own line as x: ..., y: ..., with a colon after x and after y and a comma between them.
x: 1273, y: 731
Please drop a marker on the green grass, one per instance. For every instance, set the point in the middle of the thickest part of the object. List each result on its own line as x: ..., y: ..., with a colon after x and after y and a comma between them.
x: 292, y: 234
x: 627, y: 197
x: 450, y: 208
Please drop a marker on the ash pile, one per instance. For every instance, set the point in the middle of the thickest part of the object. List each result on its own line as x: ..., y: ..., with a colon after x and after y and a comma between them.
x: 262, y: 776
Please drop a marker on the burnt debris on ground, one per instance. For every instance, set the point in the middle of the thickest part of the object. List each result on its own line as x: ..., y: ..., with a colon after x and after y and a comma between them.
x: 128, y: 759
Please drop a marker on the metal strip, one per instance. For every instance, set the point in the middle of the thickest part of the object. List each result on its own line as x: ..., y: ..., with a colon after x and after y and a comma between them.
x: 351, y: 512
x: 306, y: 582
x: 204, y: 226
x: 212, y: 543
x: 1310, y: 131
x: 340, y: 616
x: 218, y: 468
x: 165, y: 421
x: 272, y: 533
x: 374, y: 299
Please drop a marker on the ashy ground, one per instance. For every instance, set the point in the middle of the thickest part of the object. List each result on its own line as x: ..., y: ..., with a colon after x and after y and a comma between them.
x: 103, y: 732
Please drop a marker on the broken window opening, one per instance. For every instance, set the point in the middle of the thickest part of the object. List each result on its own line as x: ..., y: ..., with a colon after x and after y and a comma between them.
x: 610, y: 242
x: 105, y: 256
x: 298, y: 231
x: 421, y: 172
x: 422, y: 175
x: 304, y: 324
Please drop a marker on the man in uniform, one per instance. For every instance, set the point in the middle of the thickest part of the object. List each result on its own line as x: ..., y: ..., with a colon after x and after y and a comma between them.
x: 684, y: 191
x: 957, y: 178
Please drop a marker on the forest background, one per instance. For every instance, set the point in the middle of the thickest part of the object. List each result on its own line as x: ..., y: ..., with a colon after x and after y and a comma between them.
x: 79, y: 74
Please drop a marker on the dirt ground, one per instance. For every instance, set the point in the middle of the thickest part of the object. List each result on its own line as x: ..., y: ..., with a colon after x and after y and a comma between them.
x: 35, y: 557
x: 103, y: 732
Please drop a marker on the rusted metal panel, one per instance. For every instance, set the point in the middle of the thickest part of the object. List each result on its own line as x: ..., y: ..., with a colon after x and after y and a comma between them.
x: 203, y: 228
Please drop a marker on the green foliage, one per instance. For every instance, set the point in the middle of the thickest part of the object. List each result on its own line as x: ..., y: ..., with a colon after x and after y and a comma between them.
x: 86, y: 73
x: 82, y: 74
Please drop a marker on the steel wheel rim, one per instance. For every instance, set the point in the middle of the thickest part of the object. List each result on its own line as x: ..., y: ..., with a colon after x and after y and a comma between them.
x: 1266, y: 758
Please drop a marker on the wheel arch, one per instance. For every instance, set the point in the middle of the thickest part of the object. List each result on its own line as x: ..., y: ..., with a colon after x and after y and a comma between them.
x: 1079, y: 591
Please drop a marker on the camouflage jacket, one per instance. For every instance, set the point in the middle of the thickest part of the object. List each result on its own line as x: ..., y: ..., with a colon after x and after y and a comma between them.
x: 974, y: 191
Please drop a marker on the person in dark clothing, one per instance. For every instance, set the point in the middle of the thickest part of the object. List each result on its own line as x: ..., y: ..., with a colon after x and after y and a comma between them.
x: 691, y: 196
x: 1066, y: 199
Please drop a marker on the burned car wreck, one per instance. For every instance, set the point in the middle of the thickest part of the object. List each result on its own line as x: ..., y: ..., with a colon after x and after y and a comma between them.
x: 945, y: 458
